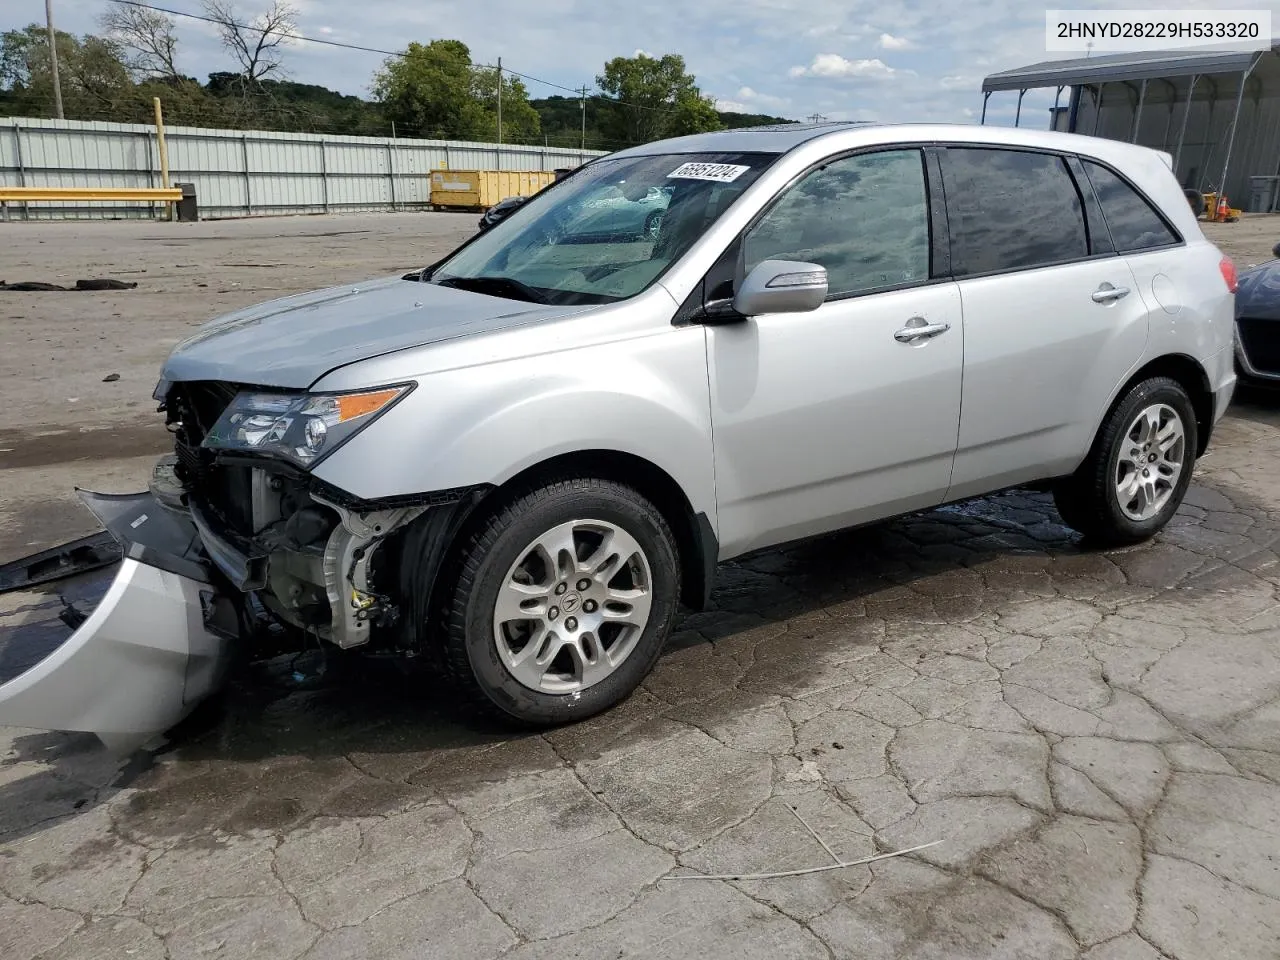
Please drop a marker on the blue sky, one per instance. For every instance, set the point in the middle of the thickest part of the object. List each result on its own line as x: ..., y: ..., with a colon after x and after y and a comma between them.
x: 845, y: 59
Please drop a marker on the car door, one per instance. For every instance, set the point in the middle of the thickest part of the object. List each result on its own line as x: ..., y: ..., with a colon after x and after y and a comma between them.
x: 1053, y: 318
x: 841, y: 415
x: 1171, y: 276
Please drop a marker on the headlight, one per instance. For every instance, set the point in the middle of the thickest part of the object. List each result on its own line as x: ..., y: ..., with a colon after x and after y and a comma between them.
x: 300, y: 428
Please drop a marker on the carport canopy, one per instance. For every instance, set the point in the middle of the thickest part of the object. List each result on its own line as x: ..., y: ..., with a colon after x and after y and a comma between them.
x: 1174, y: 75
x: 1144, y: 65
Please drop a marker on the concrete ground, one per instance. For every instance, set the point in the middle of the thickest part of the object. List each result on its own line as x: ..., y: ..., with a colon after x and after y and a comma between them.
x: 1094, y: 737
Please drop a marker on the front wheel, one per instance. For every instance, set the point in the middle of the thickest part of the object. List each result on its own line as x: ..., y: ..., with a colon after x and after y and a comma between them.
x: 1135, y: 476
x: 564, y: 601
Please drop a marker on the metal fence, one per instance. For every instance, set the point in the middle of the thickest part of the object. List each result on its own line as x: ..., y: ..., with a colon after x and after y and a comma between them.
x: 245, y: 173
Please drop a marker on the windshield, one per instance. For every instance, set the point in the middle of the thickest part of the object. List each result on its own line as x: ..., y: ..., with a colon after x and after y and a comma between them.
x: 607, y: 232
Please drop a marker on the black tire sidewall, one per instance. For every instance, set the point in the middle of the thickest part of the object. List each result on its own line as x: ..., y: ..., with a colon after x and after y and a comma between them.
x: 1144, y: 395
x: 512, y: 532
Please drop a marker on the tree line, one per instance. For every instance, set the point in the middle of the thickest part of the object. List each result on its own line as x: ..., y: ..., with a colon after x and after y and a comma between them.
x: 430, y: 89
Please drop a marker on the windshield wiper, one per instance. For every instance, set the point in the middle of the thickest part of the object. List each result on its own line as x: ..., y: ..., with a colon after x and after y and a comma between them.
x: 497, y: 286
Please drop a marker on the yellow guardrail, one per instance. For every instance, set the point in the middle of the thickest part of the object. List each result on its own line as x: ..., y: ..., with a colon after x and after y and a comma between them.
x: 118, y: 194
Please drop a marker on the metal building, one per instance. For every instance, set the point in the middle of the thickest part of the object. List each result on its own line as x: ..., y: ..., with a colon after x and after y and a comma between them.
x: 1216, y: 111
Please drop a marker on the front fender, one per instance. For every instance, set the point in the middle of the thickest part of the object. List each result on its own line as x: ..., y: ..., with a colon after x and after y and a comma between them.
x: 647, y: 396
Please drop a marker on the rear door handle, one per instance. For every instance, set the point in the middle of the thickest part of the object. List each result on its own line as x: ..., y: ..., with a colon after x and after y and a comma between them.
x: 1107, y: 293
x: 921, y: 331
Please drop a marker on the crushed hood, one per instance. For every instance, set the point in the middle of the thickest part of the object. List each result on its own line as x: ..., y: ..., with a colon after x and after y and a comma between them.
x: 294, y: 341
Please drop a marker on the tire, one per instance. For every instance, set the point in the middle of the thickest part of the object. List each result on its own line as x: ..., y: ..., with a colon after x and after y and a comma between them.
x: 493, y: 659
x: 1090, y: 500
x: 1196, y: 199
x: 652, y: 224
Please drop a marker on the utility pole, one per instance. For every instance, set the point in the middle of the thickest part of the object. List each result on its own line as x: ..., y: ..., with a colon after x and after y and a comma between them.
x: 53, y: 58
x: 815, y: 118
x: 499, y: 113
x: 584, y: 120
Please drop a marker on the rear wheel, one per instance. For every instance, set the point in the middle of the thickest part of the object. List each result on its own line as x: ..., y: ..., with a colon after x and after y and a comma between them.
x: 652, y: 225
x: 1135, y: 477
x: 564, y: 601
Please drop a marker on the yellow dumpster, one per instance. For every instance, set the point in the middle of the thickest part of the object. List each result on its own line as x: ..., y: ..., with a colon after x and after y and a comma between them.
x: 481, y: 189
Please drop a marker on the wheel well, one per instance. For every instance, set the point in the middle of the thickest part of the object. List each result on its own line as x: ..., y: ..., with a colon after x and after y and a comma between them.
x: 694, y: 538
x: 1193, y: 379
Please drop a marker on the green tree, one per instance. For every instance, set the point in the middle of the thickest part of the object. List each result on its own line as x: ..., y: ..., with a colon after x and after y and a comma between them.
x: 520, y: 121
x: 427, y: 90
x: 434, y: 90
x: 91, y: 69
x: 657, y: 97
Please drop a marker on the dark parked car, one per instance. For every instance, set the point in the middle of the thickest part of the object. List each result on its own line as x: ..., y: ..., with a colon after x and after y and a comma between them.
x: 499, y: 211
x: 1258, y: 323
x: 503, y: 208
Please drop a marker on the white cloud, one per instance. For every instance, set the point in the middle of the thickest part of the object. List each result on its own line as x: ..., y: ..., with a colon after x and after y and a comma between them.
x: 864, y: 116
x: 729, y: 46
x: 833, y: 65
x: 748, y: 100
x: 762, y: 99
x: 888, y: 41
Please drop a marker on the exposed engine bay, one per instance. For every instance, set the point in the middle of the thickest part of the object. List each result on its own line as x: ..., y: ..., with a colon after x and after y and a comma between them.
x: 326, y: 567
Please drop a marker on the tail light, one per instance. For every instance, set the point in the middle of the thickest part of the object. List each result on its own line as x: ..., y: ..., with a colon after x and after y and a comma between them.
x: 1228, y: 273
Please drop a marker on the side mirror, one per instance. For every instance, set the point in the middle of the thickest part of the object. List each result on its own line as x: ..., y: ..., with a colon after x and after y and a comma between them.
x: 781, y: 286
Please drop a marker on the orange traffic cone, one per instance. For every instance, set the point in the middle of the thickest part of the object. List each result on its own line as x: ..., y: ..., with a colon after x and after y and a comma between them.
x: 1223, y: 210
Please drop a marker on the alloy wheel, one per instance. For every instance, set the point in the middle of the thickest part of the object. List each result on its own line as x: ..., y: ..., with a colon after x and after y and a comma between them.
x: 572, y: 606
x: 1150, y: 462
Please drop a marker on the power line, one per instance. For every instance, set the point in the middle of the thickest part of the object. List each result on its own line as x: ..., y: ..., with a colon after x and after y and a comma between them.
x: 387, y: 53
x: 267, y: 110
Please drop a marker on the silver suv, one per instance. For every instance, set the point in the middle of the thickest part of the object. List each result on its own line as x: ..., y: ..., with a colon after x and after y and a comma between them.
x: 525, y: 457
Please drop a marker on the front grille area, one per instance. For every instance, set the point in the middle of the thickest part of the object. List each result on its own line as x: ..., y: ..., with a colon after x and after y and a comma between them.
x: 1261, y: 342
x: 225, y: 491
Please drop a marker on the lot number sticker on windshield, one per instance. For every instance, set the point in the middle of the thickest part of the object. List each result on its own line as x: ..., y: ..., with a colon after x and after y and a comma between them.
x: 722, y: 172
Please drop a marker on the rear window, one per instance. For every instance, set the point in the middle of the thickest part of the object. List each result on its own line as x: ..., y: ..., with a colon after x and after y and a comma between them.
x: 1011, y: 210
x: 1133, y: 222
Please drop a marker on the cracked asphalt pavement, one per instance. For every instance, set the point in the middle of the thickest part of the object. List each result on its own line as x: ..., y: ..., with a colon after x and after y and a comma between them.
x: 1094, y: 736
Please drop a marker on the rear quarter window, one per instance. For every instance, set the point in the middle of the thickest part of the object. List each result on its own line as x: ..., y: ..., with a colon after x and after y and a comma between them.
x: 1133, y: 221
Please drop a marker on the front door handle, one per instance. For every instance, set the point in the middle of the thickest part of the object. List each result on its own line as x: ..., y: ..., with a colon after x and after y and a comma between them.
x: 917, y: 330
x: 1108, y: 294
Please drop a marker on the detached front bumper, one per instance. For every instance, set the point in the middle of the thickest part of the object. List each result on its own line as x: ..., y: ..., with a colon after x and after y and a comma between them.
x: 152, y: 649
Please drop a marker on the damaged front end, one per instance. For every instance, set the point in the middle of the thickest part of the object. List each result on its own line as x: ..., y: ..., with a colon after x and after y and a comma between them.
x: 313, y: 557
x: 229, y: 552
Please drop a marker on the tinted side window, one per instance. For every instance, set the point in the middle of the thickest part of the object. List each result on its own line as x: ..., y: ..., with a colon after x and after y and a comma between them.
x: 865, y: 218
x: 1010, y: 209
x: 1134, y: 224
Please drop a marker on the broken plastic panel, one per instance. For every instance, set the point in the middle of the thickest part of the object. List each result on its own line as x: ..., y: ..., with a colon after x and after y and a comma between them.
x: 155, y: 645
